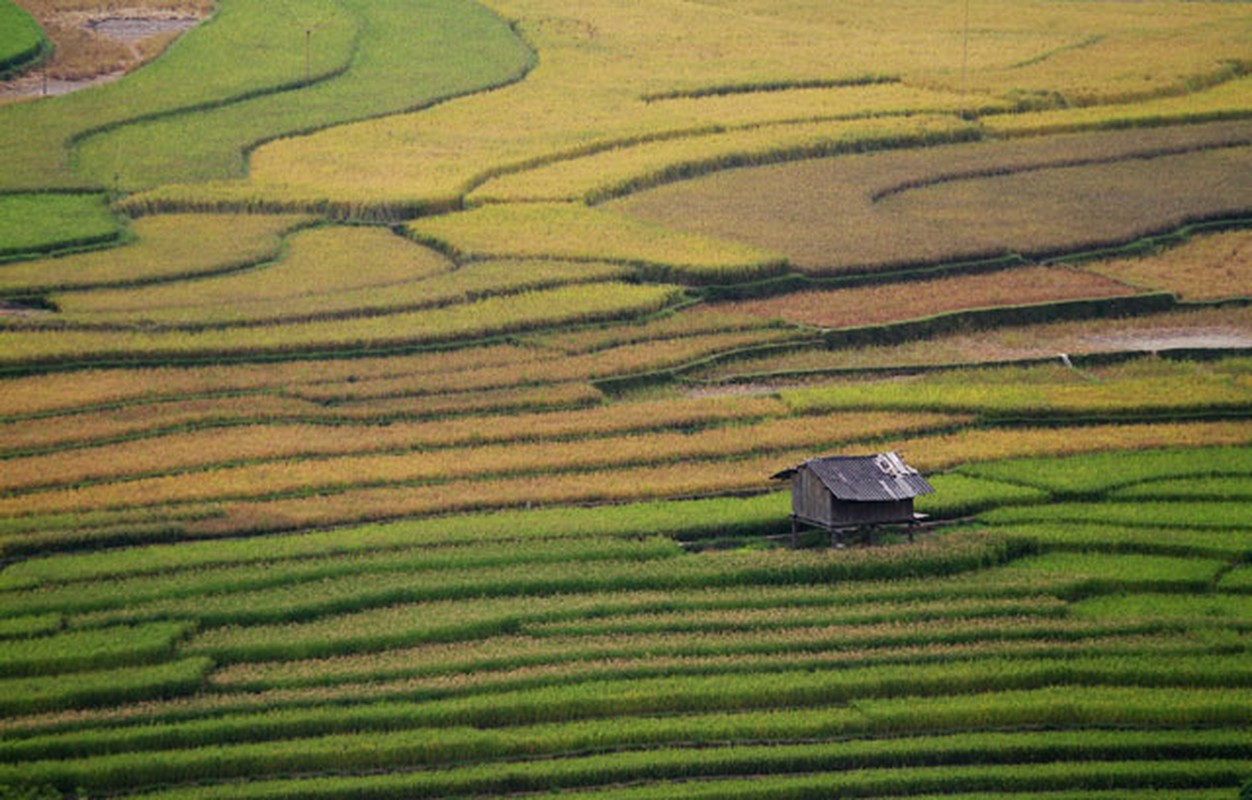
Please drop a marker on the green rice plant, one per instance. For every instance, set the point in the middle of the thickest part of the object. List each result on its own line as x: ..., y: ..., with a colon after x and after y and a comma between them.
x: 1060, y: 706
x: 1207, y: 609
x: 98, y: 649
x: 1237, y: 580
x: 104, y: 687
x: 518, y: 661
x: 491, y: 316
x: 1103, y: 572
x: 165, y: 248
x: 1097, y: 473
x: 1189, y: 489
x: 1221, y: 515
x: 398, y: 625
x: 678, y: 519
x: 959, y: 495
x: 956, y: 783
x: 208, y: 66
x: 308, y: 578
x: 1229, y: 545
x: 1067, y: 393
x: 412, y: 748
x: 574, y: 231
x: 40, y: 223
x: 21, y: 39
x: 763, y: 619
x: 425, y: 41
x: 30, y: 625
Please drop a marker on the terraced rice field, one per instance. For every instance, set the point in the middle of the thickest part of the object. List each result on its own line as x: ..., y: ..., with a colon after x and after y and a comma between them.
x: 377, y: 437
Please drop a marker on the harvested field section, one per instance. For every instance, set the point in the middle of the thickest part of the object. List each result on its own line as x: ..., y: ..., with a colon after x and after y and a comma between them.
x: 1216, y: 266
x: 1199, y: 329
x: 874, y: 305
x: 968, y: 201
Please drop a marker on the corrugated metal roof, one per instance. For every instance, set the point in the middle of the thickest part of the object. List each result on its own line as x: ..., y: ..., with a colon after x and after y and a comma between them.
x: 879, y: 477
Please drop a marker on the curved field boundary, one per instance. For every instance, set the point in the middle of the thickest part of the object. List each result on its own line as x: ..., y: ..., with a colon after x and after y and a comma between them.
x: 428, y: 42
x: 723, y: 90
x: 22, y: 42
x: 188, y: 75
x: 810, y: 210
x: 35, y: 225
x: 1077, y: 359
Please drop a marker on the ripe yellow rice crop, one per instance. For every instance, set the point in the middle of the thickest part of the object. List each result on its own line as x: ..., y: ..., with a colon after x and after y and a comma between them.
x: 873, y: 305
x: 693, y: 478
x: 302, y: 476
x: 573, y: 231
x: 185, y: 450
x: 541, y: 366
x: 1229, y: 100
x: 551, y: 396
x: 625, y: 169
x: 92, y: 389
x: 166, y: 247
x: 598, y: 66
x: 317, y: 264
x: 1213, y: 267
x: 494, y: 315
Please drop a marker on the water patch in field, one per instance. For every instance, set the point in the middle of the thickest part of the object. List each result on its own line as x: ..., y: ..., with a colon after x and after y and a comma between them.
x: 136, y: 29
x: 1174, y: 340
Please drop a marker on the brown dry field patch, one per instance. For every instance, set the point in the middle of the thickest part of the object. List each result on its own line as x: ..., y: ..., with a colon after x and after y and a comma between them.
x: 961, y: 202
x: 99, y: 39
x: 875, y: 305
x: 1199, y: 328
x: 1216, y: 267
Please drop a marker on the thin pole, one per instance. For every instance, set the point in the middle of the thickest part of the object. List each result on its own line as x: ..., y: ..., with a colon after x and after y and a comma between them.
x: 308, y: 34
